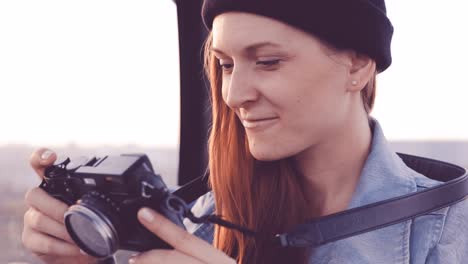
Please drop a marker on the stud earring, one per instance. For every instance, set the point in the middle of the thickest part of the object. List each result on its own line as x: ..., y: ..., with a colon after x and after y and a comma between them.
x: 354, y: 82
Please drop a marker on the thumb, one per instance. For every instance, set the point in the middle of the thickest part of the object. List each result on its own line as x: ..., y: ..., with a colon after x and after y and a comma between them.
x: 41, y: 159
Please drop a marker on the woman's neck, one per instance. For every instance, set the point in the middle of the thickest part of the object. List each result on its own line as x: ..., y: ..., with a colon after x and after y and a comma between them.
x: 332, y: 168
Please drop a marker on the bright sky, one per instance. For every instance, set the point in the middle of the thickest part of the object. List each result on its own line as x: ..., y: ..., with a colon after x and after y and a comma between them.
x: 102, y: 71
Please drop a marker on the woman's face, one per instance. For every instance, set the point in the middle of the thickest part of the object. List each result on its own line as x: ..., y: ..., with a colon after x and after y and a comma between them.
x: 288, y: 88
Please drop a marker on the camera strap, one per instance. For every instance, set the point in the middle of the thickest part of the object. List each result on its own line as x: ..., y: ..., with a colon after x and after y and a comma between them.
x: 319, y: 231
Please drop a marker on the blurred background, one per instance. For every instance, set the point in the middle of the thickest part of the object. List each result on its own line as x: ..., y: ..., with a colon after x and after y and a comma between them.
x: 102, y: 77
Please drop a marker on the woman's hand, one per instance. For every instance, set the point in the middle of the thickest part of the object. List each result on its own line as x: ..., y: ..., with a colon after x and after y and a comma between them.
x: 44, y: 232
x: 188, y: 249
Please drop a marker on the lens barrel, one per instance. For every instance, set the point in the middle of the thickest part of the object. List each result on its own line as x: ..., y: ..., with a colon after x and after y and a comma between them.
x: 93, y: 225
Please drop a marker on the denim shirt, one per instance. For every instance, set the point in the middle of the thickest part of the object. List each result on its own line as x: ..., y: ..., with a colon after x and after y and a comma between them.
x: 438, y: 237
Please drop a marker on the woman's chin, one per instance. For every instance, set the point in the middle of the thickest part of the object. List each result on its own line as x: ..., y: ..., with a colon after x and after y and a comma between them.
x: 266, y: 154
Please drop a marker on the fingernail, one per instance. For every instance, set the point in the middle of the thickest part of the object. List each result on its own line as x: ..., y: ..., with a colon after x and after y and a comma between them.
x: 132, y: 260
x: 147, y: 215
x: 46, y: 154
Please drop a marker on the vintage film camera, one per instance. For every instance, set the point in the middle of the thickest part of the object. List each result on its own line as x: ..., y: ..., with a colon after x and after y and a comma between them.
x: 105, y: 195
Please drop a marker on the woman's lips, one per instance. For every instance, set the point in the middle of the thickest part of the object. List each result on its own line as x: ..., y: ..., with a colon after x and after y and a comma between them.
x: 259, y: 123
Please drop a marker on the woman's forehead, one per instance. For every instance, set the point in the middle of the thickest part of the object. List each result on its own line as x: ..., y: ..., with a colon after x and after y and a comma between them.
x: 236, y: 30
x: 241, y: 21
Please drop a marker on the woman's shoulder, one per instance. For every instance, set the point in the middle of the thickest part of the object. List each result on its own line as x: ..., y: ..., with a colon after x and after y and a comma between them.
x: 204, y: 205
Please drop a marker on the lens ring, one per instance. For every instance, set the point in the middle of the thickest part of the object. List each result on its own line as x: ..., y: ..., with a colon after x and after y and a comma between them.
x: 99, y: 223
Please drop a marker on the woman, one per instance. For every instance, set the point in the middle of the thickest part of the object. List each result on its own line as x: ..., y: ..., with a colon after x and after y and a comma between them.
x: 292, y: 87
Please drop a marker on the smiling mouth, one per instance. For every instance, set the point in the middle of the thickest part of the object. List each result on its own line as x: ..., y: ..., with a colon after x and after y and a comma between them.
x: 259, y: 123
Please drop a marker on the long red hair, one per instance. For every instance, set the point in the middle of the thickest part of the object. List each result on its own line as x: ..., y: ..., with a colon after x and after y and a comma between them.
x: 263, y: 196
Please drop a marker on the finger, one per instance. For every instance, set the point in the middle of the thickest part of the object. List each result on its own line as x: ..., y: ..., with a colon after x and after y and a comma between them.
x: 44, y: 224
x: 180, y: 239
x: 40, y: 243
x: 42, y: 201
x: 163, y: 256
x: 40, y: 159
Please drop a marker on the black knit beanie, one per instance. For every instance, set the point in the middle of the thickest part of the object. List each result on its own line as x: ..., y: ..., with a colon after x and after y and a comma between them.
x: 360, y: 25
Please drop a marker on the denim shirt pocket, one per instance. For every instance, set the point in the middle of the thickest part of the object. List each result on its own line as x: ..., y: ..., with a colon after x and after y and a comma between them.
x: 426, y: 230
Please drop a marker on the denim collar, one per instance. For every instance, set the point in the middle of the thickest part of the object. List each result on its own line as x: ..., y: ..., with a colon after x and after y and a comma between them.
x: 384, y: 174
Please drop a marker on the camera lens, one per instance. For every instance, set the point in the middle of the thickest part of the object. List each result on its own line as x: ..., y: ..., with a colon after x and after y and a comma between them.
x: 91, y: 226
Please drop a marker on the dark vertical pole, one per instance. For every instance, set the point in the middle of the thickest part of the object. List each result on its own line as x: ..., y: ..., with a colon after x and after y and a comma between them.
x: 195, y: 109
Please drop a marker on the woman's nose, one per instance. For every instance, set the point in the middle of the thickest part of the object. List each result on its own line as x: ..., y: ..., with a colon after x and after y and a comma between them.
x: 239, y: 89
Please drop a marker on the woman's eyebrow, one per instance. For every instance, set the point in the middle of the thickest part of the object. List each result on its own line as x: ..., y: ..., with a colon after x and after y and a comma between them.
x: 249, y: 49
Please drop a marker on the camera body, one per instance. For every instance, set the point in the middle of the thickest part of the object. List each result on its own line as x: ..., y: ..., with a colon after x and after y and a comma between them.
x: 105, y: 195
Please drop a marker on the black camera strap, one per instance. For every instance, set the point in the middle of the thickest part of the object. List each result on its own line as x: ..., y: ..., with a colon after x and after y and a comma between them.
x: 362, y: 219
x: 374, y: 216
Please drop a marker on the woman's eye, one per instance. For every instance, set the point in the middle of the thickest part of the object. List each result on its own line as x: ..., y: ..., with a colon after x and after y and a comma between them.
x: 227, y: 66
x: 268, y: 62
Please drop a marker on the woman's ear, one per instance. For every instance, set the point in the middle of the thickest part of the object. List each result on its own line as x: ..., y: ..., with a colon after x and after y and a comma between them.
x: 361, y: 70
